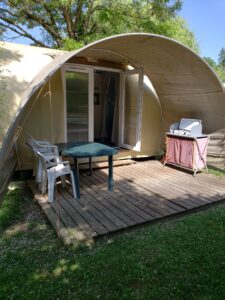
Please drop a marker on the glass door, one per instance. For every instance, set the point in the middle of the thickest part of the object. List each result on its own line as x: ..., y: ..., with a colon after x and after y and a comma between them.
x: 79, y: 104
x: 131, y: 109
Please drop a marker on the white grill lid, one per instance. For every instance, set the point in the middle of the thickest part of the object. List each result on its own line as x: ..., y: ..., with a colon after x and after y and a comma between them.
x: 189, y: 127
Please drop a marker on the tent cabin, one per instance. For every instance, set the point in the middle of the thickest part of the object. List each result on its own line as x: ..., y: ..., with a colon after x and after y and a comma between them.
x: 124, y: 91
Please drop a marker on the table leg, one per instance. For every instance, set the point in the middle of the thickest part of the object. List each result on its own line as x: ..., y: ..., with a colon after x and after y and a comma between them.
x: 110, y: 179
x: 90, y: 166
x: 76, y: 177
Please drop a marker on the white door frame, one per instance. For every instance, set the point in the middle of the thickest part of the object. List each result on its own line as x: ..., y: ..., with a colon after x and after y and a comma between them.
x: 137, y: 147
x: 90, y: 71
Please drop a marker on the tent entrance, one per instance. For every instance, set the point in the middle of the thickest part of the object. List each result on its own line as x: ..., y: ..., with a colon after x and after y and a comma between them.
x: 106, y: 106
x: 91, y: 101
x: 103, y: 105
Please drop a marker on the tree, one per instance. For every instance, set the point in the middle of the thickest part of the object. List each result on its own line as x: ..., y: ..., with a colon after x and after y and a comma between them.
x: 221, y: 73
x: 211, y: 62
x: 218, y: 68
x: 177, y: 28
x: 221, y: 58
x: 71, y: 24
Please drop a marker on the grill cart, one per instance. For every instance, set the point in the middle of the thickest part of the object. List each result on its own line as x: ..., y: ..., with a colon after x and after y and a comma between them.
x: 186, y: 146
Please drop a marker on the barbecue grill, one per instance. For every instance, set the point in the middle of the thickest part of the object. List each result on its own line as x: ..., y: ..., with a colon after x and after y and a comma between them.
x: 186, y: 146
x: 187, y: 127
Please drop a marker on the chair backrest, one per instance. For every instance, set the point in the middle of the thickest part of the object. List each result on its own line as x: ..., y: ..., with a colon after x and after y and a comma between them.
x: 43, y: 147
x: 38, y: 145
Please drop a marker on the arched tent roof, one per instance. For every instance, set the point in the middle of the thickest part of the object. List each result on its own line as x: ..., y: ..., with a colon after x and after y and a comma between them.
x: 172, y: 67
x: 183, y: 81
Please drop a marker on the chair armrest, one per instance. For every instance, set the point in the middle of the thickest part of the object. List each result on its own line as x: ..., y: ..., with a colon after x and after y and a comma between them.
x: 65, y: 162
x: 55, y: 164
x: 43, y: 143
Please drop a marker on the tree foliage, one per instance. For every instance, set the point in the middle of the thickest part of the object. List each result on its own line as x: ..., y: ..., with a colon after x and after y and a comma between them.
x: 219, y: 67
x: 221, y: 58
x: 73, y: 23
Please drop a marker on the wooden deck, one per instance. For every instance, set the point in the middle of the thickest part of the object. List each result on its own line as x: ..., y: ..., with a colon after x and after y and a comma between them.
x: 144, y: 192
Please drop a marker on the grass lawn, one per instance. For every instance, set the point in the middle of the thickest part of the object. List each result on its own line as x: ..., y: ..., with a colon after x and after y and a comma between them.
x: 182, y: 259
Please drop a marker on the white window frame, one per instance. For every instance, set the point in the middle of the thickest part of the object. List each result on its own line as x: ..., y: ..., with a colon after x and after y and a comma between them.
x: 90, y: 72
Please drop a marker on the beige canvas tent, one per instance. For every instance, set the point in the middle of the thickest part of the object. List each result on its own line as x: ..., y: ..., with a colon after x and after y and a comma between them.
x: 125, y: 90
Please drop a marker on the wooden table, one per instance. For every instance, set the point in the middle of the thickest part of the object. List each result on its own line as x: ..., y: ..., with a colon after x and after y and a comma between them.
x: 88, y: 150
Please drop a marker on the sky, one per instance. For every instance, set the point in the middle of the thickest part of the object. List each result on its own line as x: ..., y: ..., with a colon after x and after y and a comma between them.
x: 206, y: 18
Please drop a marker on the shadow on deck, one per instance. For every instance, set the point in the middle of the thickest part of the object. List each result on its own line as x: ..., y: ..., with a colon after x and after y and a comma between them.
x: 143, y: 192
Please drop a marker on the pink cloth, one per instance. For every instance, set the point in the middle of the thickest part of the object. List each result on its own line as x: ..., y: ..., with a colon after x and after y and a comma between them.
x: 172, y: 151
x: 202, y: 145
x: 187, y: 152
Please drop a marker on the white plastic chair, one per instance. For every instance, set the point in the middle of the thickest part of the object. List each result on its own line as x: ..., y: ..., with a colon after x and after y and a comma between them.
x: 50, y: 151
x: 51, y: 171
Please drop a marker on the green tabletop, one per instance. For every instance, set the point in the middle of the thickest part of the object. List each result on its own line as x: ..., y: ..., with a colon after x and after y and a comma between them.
x: 85, y: 150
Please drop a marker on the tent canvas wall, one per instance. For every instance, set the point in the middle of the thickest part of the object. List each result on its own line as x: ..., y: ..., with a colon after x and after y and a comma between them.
x: 177, y: 83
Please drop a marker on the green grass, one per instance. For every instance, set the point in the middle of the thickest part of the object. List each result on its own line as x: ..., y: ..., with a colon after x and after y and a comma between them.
x: 215, y: 171
x: 182, y: 259
x: 11, y: 206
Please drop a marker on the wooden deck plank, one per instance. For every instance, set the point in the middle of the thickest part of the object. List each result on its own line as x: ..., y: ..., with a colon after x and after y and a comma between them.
x: 102, y: 196
x: 134, y: 210
x: 197, y: 190
x: 160, y: 188
x: 110, y: 221
x: 153, y: 200
x: 214, y: 181
x: 119, y: 202
x: 115, y: 209
x: 85, y: 213
x: 143, y: 201
x: 183, y: 191
x: 175, y: 181
x: 132, y: 200
x: 143, y: 192
x: 200, y: 190
x: 82, y: 227
x: 68, y: 221
x: 215, y: 185
x: 179, y: 194
x: 195, y: 182
x: 61, y: 230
